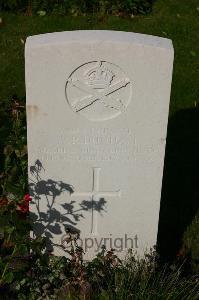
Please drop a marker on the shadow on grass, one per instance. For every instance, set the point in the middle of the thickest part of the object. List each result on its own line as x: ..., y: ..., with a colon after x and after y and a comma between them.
x: 180, y: 189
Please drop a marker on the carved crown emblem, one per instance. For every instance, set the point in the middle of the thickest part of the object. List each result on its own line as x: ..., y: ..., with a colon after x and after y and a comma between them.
x: 99, y: 77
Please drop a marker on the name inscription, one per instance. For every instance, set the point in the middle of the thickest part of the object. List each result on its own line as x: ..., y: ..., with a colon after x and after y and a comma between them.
x: 94, y: 144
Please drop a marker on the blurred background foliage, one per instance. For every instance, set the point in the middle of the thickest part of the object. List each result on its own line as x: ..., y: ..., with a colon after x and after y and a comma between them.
x: 78, y: 6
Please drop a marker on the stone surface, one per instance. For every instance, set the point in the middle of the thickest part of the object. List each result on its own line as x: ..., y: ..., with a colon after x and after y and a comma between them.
x: 97, y: 110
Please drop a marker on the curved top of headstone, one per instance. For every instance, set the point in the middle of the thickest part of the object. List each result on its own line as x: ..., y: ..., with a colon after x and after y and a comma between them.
x: 97, y: 35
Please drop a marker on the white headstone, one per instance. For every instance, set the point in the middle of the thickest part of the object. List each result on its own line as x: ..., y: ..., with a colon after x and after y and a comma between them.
x: 97, y: 110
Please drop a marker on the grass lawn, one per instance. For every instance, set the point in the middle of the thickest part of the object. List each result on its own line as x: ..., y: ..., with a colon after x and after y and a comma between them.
x: 174, y: 19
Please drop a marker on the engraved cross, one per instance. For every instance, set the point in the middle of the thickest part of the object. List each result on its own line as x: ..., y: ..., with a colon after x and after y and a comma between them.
x: 95, y: 196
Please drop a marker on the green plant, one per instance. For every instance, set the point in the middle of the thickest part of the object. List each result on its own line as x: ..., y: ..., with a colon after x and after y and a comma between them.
x: 14, y: 226
x: 14, y: 238
x: 13, y: 177
x: 190, y: 246
x: 44, y: 276
x: 139, y: 279
x: 106, y: 277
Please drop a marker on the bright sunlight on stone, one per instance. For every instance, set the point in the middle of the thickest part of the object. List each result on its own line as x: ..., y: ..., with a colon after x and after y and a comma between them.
x: 97, y: 111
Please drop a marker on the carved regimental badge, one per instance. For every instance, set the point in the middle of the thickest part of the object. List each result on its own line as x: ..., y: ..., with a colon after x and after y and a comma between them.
x: 98, y: 90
